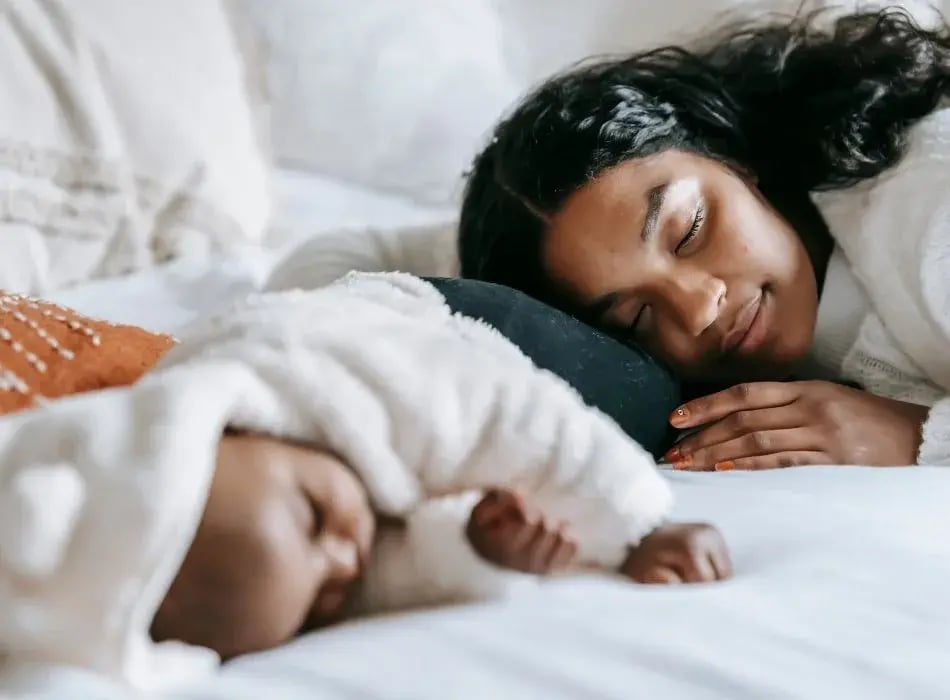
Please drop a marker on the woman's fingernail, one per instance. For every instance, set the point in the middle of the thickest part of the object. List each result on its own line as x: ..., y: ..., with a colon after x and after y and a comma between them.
x: 726, y: 466
x: 673, y: 455
x: 680, y: 415
x: 683, y: 463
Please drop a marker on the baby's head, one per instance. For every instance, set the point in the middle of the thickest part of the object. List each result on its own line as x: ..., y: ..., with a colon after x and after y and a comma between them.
x: 282, y: 542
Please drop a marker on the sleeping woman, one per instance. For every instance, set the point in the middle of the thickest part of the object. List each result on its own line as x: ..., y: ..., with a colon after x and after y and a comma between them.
x: 768, y: 214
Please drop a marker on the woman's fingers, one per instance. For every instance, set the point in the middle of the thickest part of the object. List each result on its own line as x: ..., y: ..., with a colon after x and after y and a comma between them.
x: 737, y: 425
x: 779, y: 460
x: 741, y: 397
x: 759, y: 443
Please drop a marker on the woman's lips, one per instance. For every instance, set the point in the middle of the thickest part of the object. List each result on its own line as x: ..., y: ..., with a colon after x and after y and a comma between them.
x: 751, y: 327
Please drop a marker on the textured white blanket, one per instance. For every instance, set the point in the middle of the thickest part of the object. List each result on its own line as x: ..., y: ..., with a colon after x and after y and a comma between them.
x: 101, y: 493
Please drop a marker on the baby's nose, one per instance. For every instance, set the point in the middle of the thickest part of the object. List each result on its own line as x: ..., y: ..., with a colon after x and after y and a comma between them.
x: 344, y: 557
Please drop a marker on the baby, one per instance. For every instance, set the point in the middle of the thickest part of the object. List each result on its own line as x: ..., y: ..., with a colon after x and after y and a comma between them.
x: 414, y: 458
x: 287, y: 539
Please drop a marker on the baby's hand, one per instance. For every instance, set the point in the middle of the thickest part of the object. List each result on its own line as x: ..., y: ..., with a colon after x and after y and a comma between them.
x: 508, y: 532
x: 679, y: 553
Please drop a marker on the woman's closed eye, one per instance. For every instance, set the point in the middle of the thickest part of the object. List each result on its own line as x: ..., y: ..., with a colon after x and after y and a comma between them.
x: 641, y: 322
x: 693, y: 232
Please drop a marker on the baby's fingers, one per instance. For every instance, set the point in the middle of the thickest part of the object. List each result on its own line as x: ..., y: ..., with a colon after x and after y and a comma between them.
x: 562, y: 553
x: 695, y: 566
x: 492, y: 508
x: 541, y: 548
x: 658, y: 575
x: 721, y: 562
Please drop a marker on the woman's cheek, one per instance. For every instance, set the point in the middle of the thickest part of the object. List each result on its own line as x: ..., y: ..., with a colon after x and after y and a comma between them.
x: 685, y: 355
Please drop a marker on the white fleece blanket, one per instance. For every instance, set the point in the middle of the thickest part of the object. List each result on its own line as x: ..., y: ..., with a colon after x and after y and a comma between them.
x: 101, y: 493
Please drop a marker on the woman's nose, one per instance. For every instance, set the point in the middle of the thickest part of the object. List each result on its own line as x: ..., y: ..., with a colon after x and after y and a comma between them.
x: 343, y: 556
x: 695, y: 299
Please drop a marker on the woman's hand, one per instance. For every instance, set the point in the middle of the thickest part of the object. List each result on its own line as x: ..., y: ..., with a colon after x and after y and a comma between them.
x: 765, y: 425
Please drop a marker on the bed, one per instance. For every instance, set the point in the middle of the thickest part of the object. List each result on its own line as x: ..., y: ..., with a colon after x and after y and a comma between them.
x: 841, y: 589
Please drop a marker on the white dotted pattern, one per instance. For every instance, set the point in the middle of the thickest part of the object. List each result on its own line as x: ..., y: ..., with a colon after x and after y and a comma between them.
x: 60, y: 319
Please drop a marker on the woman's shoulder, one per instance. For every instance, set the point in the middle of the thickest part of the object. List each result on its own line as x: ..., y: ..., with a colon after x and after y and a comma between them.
x: 897, y: 225
x: 895, y: 232
x: 924, y: 161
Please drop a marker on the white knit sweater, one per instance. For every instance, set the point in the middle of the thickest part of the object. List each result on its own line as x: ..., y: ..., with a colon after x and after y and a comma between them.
x: 894, y: 232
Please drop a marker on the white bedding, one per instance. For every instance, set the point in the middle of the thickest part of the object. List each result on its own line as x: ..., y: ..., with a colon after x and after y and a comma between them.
x: 842, y: 586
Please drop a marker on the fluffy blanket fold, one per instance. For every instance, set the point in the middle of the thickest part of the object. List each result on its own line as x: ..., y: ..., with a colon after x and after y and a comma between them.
x: 101, y: 493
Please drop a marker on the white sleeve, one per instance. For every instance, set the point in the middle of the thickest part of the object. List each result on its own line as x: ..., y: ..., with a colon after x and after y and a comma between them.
x: 935, y: 447
x: 895, y: 232
x: 429, y: 561
x: 426, y: 251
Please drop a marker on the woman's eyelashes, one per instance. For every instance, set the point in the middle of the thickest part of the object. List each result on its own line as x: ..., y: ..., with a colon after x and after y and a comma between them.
x: 640, y: 322
x: 318, y: 521
x: 625, y: 317
x: 693, y: 232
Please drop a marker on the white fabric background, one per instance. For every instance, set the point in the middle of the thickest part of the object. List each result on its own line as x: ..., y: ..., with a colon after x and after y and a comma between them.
x: 127, y: 137
x: 400, y: 94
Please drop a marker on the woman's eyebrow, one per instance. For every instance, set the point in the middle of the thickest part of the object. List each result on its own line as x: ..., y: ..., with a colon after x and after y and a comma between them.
x: 655, y: 199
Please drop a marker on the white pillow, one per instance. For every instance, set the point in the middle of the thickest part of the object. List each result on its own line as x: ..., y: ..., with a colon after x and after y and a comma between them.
x: 393, y: 94
x: 126, y: 137
x: 400, y: 94
x: 544, y: 36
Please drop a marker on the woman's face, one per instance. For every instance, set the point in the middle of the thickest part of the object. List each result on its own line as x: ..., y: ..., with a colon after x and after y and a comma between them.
x: 688, y: 259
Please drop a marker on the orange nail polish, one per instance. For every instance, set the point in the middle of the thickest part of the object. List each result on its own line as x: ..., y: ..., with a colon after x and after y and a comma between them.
x: 673, y: 455
x: 727, y: 466
x: 683, y: 463
x: 680, y: 415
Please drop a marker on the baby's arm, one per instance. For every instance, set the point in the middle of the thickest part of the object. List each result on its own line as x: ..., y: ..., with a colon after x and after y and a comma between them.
x: 476, y: 546
x: 509, y: 531
x: 431, y: 559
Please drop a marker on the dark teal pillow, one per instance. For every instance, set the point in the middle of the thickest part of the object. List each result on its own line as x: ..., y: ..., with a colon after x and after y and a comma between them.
x: 624, y: 382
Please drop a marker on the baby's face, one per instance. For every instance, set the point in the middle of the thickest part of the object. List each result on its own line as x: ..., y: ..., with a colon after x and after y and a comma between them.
x: 281, y: 544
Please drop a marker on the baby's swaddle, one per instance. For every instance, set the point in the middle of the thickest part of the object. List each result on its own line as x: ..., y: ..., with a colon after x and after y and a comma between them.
x: 421, y: 403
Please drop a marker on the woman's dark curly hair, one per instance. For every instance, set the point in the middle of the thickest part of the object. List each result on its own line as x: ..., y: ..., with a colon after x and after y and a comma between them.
x: 798, y: 106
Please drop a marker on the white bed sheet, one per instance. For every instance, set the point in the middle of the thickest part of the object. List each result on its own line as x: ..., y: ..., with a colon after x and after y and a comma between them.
x: 842, y: 586
x: 167, y: 297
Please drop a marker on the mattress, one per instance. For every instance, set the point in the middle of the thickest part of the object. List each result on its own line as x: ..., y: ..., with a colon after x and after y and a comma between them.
x: 841, y: 588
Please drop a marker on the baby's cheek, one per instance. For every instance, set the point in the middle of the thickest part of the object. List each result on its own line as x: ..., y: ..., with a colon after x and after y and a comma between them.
x: 289, y: 578
x: 249, y: 583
